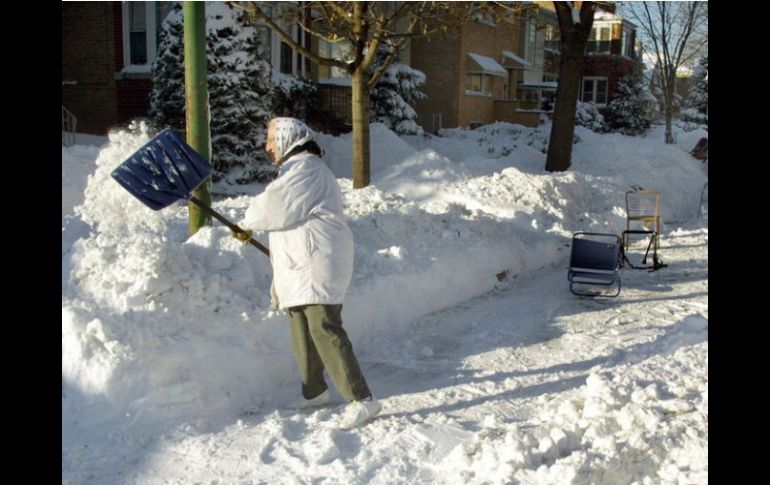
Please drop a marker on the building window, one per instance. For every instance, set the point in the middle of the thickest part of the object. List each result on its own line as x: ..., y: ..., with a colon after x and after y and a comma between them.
x: 137, y: 33
x: 274, y: 50
x: 262, y: 41
x: 341, y: 51
x: 531, y: 38
x: 286, y: 64
x: 478, y: 83
x: 626, y: 43
x: 552, y: 40
x: 141, y: 30
x: 595, y: 90
x: 599, y: 40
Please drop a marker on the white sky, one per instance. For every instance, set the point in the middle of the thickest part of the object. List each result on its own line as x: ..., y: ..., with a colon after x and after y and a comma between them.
x: 174, y: 370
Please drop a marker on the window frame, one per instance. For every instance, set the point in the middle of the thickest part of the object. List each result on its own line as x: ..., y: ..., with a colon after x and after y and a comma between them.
x: 594, y: 44
x: 626, y: 42
x: 151, y: 35
x: 485, y: 81
x: 552, y: 38
x: 336, y: 50
x: 594, y: 91
x: 275, y: 44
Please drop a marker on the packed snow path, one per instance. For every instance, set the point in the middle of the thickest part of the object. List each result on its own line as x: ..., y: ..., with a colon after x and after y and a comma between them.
x: 526, y: 384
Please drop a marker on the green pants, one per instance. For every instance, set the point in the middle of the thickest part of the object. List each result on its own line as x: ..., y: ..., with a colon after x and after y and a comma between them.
x: 319, y: 343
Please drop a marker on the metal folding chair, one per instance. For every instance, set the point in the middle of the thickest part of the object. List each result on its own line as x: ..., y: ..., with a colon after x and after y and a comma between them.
x: 594, y: 263
x: 642, y: 216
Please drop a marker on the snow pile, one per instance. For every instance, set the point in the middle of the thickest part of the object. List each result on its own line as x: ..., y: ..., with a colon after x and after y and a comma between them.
x: 159, y: 328
x: 150, y: 321
x: 615, y: 429
x: 386, y: 149
x: 76, y: 165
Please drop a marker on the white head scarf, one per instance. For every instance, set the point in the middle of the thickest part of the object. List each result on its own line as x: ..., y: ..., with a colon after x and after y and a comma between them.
x: 289, y: 133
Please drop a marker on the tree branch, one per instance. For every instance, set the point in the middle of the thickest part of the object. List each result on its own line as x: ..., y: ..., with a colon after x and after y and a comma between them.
x: 386, y: 63
x: 256, y: 11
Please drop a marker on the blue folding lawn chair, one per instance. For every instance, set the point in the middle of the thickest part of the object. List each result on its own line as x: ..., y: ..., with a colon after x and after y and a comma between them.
x: 594, y: 263
x: 167, y: 169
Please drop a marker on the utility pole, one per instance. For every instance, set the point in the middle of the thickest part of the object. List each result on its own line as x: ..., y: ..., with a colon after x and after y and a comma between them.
x: 196, y: 103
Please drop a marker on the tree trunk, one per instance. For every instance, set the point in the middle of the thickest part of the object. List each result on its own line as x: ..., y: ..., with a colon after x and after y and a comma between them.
x: 559, y: 156
x: 669, y: 96
x: 573, y: 41
x: 361, y: 169
x: 669, y: 131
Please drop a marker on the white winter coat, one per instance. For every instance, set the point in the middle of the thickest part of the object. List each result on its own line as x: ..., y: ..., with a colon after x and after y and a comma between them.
x: 311, y: 246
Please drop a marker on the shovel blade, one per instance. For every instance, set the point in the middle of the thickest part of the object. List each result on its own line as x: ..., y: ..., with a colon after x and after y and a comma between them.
x: 163, y: 171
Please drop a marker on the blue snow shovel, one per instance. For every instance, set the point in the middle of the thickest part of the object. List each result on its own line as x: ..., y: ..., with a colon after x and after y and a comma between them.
x: 165, y: 170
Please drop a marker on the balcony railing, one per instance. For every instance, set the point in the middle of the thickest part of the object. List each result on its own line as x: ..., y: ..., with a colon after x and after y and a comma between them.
x: 554, y: 45
x: 598, y: 47
x: 68, y: 127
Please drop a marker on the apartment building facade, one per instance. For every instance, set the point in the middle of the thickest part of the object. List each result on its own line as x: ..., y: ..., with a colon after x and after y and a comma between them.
x: 472, y: 77
x: 107, y: 53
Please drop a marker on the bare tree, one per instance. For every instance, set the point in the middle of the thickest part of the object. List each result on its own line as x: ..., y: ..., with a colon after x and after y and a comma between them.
x: 674, y: 32
x: 574, y: 29
x: 366, y: 26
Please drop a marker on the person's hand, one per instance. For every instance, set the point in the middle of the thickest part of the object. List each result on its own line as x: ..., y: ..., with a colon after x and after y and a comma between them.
x: 244, y: 236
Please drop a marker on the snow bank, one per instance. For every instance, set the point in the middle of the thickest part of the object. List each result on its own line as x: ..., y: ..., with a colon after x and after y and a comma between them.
x: 386, y: 149
x: 617, y: 428
x: 158, y: 326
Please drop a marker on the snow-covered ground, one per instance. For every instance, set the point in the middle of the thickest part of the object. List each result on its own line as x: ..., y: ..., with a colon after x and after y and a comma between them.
x: 174, y: 370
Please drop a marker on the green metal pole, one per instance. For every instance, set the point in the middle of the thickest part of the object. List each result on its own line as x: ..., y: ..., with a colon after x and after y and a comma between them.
x: 196, y: 103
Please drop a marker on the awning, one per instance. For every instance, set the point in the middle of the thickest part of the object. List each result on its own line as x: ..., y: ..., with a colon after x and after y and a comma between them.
x: 544, y: 85
x: 512, y: 61
x: 487, y: 65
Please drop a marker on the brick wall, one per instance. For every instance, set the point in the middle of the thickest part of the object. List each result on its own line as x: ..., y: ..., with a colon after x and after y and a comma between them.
x: 117, y: 27
x: 613, y: 67
x: 487, y: 41
x: 92, y: 55
x: 133, y: 99
x: 88, y: 60
x: 438, y: 58
x: 132, y: 96
x: 445, y: 62
x: 508, y: 110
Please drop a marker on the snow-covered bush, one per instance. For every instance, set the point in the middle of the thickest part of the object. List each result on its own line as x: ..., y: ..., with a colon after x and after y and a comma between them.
x: 626, y: 112
x: 697, y: 102
x: 239, y: 88
x: 293, y: 96
x: 392, y: 98
x: 588, y: 115
x: 695, y: 117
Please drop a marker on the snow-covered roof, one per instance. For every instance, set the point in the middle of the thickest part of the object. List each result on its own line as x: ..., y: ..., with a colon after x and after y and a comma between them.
x: 508, y: 55
x: 488, y: 65
x: 604, y: 15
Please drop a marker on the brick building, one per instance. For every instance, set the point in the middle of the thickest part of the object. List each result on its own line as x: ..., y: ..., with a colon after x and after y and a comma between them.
x: 107, y: 51
x: 491, y: 71
x: 472, y: 76
x: 609, y: 57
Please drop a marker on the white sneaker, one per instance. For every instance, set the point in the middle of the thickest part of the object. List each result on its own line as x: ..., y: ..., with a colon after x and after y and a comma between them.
x: 359, y: 412
x: 318, y: 401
